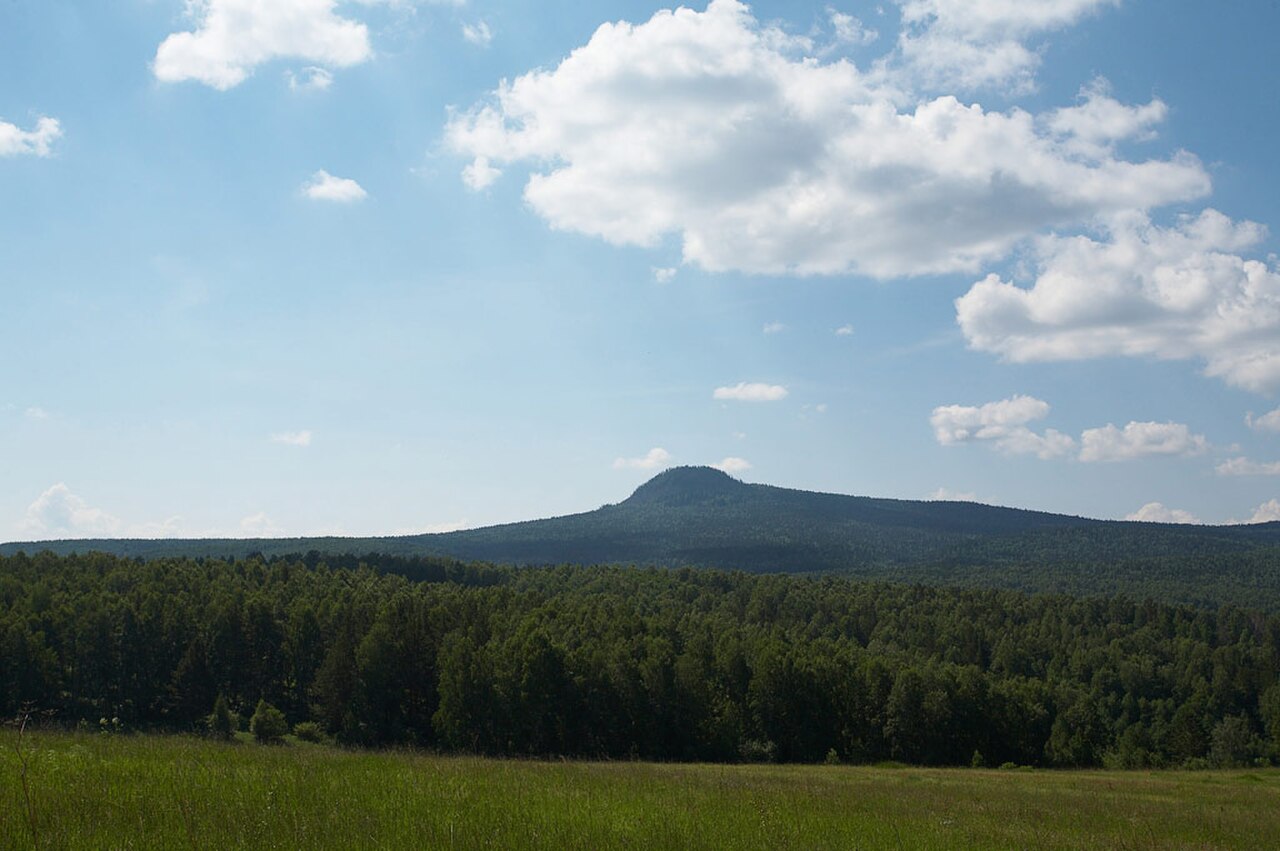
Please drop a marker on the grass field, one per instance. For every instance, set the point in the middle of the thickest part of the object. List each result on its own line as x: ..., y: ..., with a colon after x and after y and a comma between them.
x: 116, y: 792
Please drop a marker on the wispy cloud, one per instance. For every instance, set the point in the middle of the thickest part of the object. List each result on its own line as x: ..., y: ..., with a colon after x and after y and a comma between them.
x: 1246, y: 467
x: 311, y: 79
x: 750, y: 392
x: 478, y: 33
x: 292, y: 438
x: 948, y: 495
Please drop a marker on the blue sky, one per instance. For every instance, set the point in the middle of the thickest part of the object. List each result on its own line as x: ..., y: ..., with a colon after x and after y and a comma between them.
x: 385, y: 266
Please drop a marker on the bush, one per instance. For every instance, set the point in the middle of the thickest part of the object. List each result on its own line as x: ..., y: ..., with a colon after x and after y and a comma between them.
x: 267, y: 724
x: 220, y: 722
x: 308, y: 731
x: 754, y: 750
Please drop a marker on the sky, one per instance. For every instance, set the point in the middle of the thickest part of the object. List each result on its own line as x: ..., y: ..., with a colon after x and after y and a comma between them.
x: 366, y: 267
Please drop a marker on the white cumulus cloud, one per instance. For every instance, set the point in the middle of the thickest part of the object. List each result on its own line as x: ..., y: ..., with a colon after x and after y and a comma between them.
x: 750, y: 392
x: 664, y: 274
x: 1143, y: 291
x: 38, y: 142
x: 1269, y: 421
x: 323, y: 186
x: 721, y: 131
x: 849, y: 29
x: 292, y: 438
x: 1003, y: 424
x: 733, y: 465
x: 1140, y: 440
x: 59, y: 513
x: 774, y: 327
x: 1268, y: 512
x: 1156, y: 512
x: 480, y: 174
x: 654, y: 459
x: 230, y: 38
x: 971, y: 44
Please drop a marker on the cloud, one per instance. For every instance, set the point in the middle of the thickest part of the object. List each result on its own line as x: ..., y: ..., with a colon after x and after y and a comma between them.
x: 478, y: 33
x: 733, y: 465
x: 953, y: 496
x: 1245, y: 467
x: 774, y: 327
x: 750, y: 392
x: 173, y: 527
x: 664, y: 274
x: 233, y: 37
x: 15, y: 141
x: 1002, y: 424
x: 59, y: 513
x: 1140, y: 440
x: 323, y: 186
x: 479, y: 174
x: 1155, y: 512
x: 1269, y: 421
x: 312, y: 79
x: 1143, y: 291
x: 1268, y: 512
x: 1093, y: 126
x: 720, y: 130
x: 35, y: 412
x: 844, y: 331
x: 654, y: 459
x: 259, y: 526
x: 850, y: 30
x: 972, y: 44
x: 292, y: 438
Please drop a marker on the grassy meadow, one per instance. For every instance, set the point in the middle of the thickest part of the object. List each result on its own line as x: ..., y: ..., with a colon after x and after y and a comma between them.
x: 94, y: 791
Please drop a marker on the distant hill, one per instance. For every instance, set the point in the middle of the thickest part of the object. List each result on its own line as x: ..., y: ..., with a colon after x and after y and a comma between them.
x: 700, y: 516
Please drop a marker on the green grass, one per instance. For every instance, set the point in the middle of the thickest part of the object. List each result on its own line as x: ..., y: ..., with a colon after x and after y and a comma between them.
x: 125, y: 792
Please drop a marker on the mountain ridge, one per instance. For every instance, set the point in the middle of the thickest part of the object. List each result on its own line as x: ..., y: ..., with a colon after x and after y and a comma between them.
x: 702, y: 516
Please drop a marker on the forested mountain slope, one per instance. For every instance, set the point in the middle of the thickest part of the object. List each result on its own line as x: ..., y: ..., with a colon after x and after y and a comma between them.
x: 698, y: 516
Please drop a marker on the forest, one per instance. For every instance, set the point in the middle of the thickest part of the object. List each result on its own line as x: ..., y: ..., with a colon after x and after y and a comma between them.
x: 648, y: 663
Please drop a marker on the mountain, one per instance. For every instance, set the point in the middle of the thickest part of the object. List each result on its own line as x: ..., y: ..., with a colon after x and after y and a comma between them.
x: 699, y: 516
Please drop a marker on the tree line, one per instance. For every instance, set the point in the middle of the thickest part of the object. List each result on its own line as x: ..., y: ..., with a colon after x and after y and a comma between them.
x: 648, y: 663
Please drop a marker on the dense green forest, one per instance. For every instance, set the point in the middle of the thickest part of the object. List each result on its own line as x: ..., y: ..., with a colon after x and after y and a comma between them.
x: 700, y: 517
x: 638, y: 662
